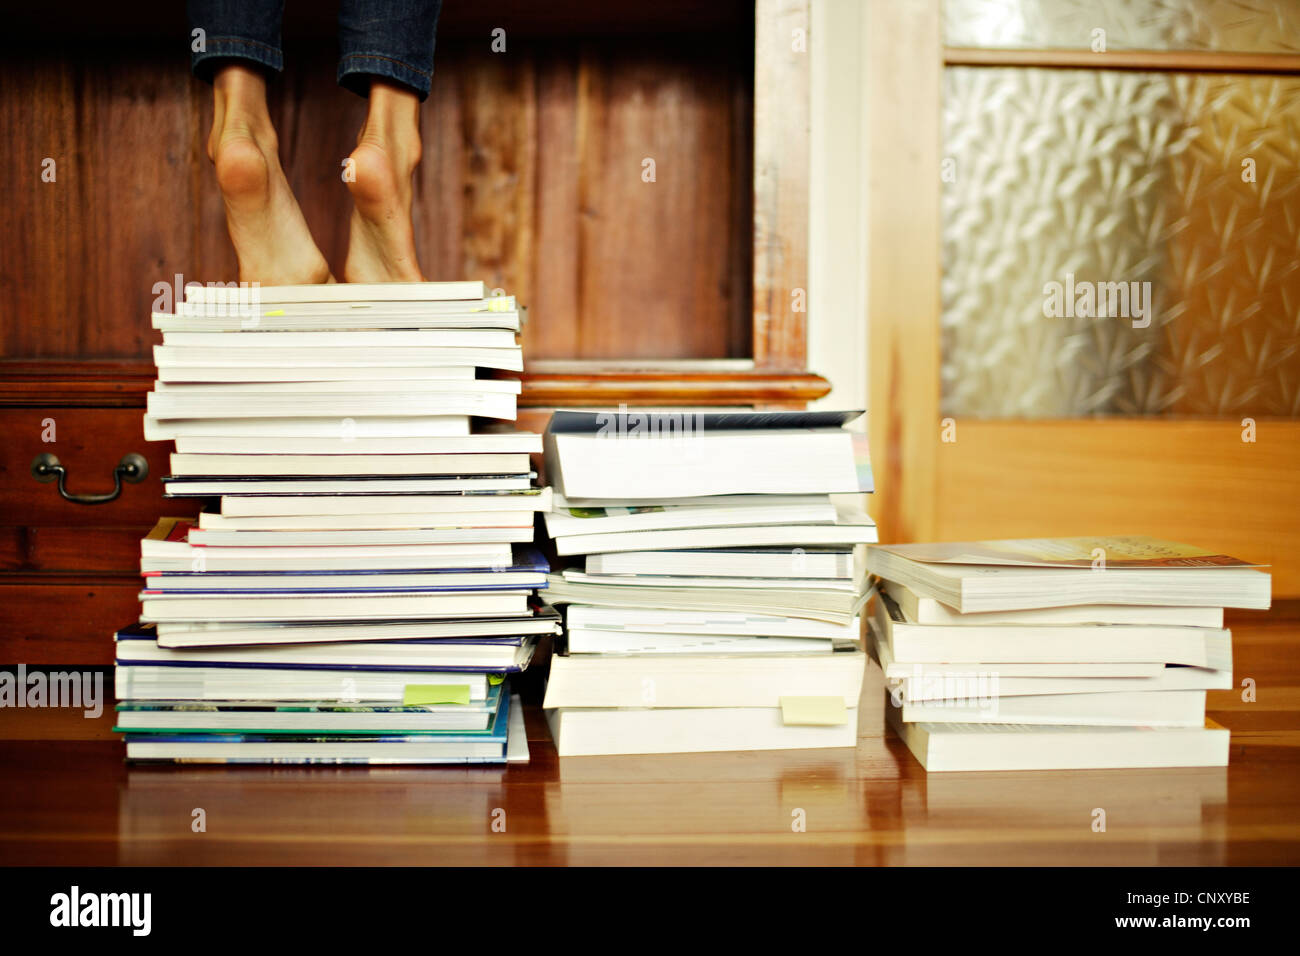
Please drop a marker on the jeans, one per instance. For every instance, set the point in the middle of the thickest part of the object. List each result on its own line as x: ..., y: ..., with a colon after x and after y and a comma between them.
x: 390, y: 39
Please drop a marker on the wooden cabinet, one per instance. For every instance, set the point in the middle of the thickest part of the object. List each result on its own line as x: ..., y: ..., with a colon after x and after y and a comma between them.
x: 678, y: 281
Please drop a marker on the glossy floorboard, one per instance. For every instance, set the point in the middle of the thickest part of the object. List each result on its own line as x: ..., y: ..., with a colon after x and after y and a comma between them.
x: 72, y: 801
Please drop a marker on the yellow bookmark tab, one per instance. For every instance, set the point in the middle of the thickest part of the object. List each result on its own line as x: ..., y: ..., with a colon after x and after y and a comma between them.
x: 417, y: 695
x: 494, y: 679
x: 814, y: 711
x: 274, y: 312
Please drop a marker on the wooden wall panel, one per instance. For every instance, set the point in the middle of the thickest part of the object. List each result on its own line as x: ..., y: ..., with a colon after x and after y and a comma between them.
x: 532, y: 181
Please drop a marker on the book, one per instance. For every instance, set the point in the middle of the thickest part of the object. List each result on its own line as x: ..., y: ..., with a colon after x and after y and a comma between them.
x: 1053, y: 572
x: 923, y: 610
x: 801, y: 562
x: 328, y: 403
x: 357, y: 606
x: 260, y: 338
x: 851, y: 528
x: 212, y: 521
x: 1145, y: 708
x: 583, y: 640
x: 308, y: 717
x: 600, y: 732
x: 745, y: 623
x: 417, y: 426
x: 339, y: 686
x: 180, y: 356
x: 544, y: 620
x: 522, y: 499
x: 833, y: 606
x: 140, y: 646
x: 501, y: 312
x: 235, y: 485
x: 335, y: 292
x: 189, y: 375
x: 595, y: 455
x: 183, y: 465
x: 699, y: 680
x: 380, y: 537
x: 566, y: 520
x: 952, y: 747
x: 489, y: 443
x: 927, y: 643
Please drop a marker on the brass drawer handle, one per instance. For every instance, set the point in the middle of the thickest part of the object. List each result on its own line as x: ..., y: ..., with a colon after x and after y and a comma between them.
x: 132, y: 468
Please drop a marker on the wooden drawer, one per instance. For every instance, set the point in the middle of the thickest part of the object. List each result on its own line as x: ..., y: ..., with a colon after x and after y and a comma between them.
x: 69, y: 573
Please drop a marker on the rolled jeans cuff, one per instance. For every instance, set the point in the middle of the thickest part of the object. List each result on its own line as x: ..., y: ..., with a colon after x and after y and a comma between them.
x: 218, y: 49
x: 356, y: 70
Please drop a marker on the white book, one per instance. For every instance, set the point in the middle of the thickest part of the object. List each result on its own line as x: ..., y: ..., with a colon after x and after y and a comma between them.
x: 289, y: 465
x: 524, y: 499
x: 806, y: 586
x: 376, y: 358
x: 1148, y: 708
x: 368, y: 606
x: 1011, y: 575
x: 503, y: 443
x: 945, y: 747
x: 501, y: 312
x: 408, y: 655
x: 346, y: 522
x: 168, y: 682
x: 220, y: 634
x: 851, y: 529
x: 924, y: 610
x: 786, y: 462
x: 450, y: 383
x: 807, y: 562
x: 339, y: 292
x: 242, y: 375
x: 258, y: 338
x: 328, y: 404
x: 953, y: 680
x: 426, y: 426
x: 932, y: 643
x: 702, y: 680
x: 234, y: 486
x: 741, y: 623
x: 349, y: 581
x: 240, y: 716
x: 583, y: 640
x: 379, y: 537
x: 415, y: 749
x: 565, y: 520
x: 600, y: 732
x: 834, y: 606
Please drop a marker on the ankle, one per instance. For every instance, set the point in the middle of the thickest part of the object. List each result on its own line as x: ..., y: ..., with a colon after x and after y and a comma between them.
x: 393, y: 125
x: 240, y: 111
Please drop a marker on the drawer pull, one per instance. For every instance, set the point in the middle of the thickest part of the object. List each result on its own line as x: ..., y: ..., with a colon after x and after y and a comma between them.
x: 132, y: 468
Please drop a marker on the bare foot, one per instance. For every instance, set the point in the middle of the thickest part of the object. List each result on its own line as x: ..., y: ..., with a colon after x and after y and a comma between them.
x: 381, y: 245
x: 270, y: 235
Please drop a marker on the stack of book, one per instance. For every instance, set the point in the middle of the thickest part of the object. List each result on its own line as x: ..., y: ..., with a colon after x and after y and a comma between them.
x: 367, y: 578
x: 1066, y: 653
x: 715, y: 597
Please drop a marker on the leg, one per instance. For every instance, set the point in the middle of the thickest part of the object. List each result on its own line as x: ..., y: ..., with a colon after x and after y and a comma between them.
x: 272, y: 242
x: 387, y: 55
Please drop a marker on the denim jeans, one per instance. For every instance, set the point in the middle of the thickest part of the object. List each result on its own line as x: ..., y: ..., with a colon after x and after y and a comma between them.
x: 390, y: 39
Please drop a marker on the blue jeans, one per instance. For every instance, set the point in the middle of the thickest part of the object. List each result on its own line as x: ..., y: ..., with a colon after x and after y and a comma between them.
x: 389, y: 39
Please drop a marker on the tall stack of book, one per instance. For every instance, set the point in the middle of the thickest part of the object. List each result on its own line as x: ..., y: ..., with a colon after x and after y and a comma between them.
x: 1050, y: 654
x: 714, y: 603
x: 368, y: 578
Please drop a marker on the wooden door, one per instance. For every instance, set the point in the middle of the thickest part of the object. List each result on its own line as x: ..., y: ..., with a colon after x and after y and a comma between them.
x: 1011, y: 151
x: 684, y: 288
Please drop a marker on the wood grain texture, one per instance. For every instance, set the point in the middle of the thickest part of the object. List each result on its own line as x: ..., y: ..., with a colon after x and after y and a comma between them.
x: 1190, y: 481
x: 781, y: 170
x: 903, y: 264
x: 71, y: 800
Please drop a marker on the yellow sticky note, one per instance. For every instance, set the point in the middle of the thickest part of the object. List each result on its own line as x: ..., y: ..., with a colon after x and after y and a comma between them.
x: 274, y: 312
x: 814, y: 711
x: 495, y: 679
x: 417, y: 695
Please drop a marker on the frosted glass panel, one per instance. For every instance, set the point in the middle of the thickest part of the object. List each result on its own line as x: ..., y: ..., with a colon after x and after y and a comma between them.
x: 1239, y: 26
x: 1179, y: 191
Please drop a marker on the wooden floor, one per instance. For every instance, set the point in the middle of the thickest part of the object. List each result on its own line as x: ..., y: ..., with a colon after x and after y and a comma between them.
x: 73, y: 801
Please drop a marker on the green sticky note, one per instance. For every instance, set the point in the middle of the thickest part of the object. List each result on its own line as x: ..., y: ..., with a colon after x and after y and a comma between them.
x: 814, y: 711
x: 417, y: 695
x: 495, y: 679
